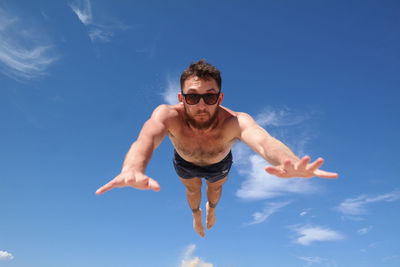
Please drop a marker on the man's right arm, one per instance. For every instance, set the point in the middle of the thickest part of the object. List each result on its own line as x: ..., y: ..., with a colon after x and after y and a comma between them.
x: 140, y: 152
x: 153, y: 132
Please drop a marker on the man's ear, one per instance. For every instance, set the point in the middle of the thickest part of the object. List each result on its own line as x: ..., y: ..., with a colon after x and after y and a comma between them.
x: 180, y: 97
x: 221, y: 98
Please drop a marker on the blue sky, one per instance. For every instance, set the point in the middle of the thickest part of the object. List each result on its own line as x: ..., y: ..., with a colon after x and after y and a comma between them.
x: 79, y: 78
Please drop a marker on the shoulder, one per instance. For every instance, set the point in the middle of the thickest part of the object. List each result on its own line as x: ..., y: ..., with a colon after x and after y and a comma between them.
x: 235, y: 117
x: 237, y: 122
x: 244, y: 116
x: 236, y: 114
x: 164, y: 112
x: 245, y: 120
x: 168, y: 115
x: 246, y: 126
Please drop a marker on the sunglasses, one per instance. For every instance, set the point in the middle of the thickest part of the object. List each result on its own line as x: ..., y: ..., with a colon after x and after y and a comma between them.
x: 193, y: 99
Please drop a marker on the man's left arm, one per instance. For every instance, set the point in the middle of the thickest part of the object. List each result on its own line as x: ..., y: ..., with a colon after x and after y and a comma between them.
x: 286, y: 163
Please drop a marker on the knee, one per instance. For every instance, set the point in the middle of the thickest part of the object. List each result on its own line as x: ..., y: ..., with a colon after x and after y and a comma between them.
x: 193, y: 190
x: 215, y: 189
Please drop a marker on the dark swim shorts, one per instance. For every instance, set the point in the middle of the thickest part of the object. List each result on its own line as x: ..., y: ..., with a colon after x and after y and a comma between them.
x: 212, y: 173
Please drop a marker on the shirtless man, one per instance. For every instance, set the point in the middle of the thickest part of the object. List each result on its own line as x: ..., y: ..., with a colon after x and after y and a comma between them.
x: 203, y: 132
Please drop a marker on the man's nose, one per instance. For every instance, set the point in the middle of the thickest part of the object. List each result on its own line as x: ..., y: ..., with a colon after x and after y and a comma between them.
x: 201, y: 103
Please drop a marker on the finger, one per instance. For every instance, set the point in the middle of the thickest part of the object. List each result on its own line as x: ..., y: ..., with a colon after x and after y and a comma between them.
x: 277, y: 171
x: 315, y: 165
x: 153, y: 185
x: 272, y: 170
x: 324, y: 174
x: 303, y: 163
x: 105, y: 188
x: 289, y: 166
x: 141, y: 181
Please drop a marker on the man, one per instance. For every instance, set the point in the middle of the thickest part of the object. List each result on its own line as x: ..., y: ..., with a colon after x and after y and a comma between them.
x: 203, y: 132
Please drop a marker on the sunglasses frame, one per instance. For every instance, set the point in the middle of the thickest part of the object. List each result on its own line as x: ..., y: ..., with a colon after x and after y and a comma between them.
x: 200, y: 97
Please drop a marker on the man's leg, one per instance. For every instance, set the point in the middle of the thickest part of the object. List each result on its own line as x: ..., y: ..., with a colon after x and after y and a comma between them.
x: 214, y: 191
x: 193, y: 194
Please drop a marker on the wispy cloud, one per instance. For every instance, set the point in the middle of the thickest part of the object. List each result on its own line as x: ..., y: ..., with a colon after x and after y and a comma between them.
x: 391, y: 258
x: 83, y: 9
x: 150, y: 49
x: 280, y: 117
x: 258, y: 184
x: 288, y: 125
x: 270, y: 208
x: 370, y: 246
x: 25, y: 52
x: 4, y: 255
x: 101, y: 32
x: 365, y: 230
x: 308, y: 234
x: 305, y: 212
x: 317, y: 261
x: 192, y: 261
x: 352, y: 208
x: 170, y: 94
x: 311, y: 260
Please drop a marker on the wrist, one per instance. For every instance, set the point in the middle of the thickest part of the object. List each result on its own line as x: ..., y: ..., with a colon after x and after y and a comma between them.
x: 132, y: 169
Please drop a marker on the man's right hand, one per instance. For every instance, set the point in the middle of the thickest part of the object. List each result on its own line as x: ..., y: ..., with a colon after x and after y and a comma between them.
x: 130, y: 178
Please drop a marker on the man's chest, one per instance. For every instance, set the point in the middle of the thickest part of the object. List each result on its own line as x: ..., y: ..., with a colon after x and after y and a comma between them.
x: 201, y: 147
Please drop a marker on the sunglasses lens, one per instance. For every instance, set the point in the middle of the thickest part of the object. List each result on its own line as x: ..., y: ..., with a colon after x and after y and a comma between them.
x: 192, y: 99
x: 210, y: 99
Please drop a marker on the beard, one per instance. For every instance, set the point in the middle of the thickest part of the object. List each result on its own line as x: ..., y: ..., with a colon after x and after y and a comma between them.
x: 201, y: 125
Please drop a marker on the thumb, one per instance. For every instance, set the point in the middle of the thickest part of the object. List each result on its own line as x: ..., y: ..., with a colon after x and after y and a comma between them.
x: 271, y: 170
x: 276, y: 171
x: 153, y: 185
x: 105, y: 188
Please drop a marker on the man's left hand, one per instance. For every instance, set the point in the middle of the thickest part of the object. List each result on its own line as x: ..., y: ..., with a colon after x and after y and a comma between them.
x: 302, y: 168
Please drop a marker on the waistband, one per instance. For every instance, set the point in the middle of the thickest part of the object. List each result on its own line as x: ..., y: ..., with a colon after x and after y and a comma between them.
x: 228, y: 157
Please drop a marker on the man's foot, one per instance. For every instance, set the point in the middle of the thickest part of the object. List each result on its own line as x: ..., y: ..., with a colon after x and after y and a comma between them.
x: 198, y: 223
x: 211, y: 218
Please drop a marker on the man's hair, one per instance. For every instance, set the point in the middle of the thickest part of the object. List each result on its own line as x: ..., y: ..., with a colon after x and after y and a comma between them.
x: 203, y: 70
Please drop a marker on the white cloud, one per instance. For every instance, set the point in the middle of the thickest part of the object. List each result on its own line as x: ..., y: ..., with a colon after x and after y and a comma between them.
x: 318, y: 261
x: 280, y: 117
x: 365, y: 230
x: 354, y: 207
x: 25, y: 52
x: 304, y: 212
x: 289, y: 126
x: 102, y: 32
x: 259, y: 184
x: 308, y: 234
x: 4, y: 255
x: 170, y: 95
x: 192, y: 261
x: 83, y: 9
x: 270, y: 208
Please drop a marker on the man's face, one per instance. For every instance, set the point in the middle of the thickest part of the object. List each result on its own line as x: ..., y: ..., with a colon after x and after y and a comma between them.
x: 200, y: 115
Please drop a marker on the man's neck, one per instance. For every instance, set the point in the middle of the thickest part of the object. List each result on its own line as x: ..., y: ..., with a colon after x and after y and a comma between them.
x: 203, y: 130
